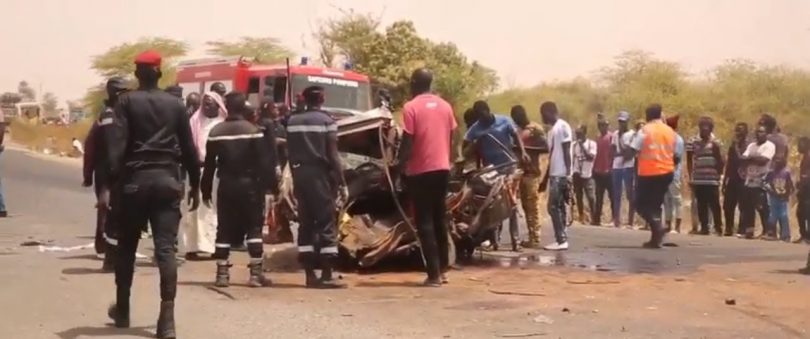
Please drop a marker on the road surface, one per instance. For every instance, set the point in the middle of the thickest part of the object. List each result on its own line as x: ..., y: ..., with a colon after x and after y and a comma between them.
x: 606, y: 286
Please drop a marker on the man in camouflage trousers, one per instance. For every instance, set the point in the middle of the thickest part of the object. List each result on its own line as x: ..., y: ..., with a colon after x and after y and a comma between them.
x: 534, y: 141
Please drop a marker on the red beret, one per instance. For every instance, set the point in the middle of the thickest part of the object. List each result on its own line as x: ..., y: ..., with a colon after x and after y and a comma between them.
x: 149, y: 57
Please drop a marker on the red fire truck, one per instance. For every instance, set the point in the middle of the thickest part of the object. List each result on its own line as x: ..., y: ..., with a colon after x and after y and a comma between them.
x: 346, y: 91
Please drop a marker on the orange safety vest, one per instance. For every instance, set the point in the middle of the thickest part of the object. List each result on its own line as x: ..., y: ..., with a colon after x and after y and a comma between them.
x: 657, y: 154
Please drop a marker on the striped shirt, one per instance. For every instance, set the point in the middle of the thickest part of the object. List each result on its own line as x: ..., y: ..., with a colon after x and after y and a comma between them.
x: 707, y: 162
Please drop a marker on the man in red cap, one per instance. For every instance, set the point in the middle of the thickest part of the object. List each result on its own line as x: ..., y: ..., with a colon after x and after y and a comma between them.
x: 148, y: 139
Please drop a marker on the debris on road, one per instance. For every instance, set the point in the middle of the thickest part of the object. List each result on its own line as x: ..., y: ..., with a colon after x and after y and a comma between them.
x: 566, y: 310
x: 731, y: 302
x: 521, y: 335
x: 517, y: 293
x: 593, y: 282
x: 30, y: 243
x: 543, y: 319
x: 43, y: 248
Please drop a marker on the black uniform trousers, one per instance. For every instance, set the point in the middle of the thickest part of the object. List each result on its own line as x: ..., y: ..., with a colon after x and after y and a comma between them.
x: 604, y: 184
x: 100, y: 244
x: 732, y: 199
x: 240, y: 214
x: 149, y: 195
x: 754, y: 200
x: 650, y: 192
x: 708, y: 197
x: 427, y: 192
x: 315, y: 193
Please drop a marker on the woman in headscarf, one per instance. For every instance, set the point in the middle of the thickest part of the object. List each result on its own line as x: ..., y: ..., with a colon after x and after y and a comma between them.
x: 199, y: 228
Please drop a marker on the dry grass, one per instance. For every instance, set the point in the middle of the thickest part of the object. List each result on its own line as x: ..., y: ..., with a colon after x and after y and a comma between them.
x: 40, y: 137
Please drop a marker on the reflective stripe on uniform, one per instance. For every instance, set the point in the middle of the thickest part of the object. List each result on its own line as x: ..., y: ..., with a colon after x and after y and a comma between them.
x: 237, y: 137
x: 254, y: 241
x: 312, y: 128
x: 306, y: 249
x: 105, y: 121
x: 110, y: 241
x: 329, y: 250
x: 222, y: 245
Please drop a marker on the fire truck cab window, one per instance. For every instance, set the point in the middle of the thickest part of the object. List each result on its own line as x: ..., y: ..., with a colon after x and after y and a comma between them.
x: 253, y: 85
x: 278, y: 86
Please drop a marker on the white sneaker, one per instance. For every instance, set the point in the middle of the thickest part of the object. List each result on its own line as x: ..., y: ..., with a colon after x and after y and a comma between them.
x: 100, y: 256
x: 556, y: 246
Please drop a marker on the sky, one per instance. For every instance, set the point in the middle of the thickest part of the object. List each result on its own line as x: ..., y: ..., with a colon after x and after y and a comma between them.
x: 50, y: 43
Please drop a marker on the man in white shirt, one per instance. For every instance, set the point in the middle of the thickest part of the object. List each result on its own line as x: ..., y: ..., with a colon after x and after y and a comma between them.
x: 584, y: 155
x: 559, y: 172
x: 623, y: 170
x: 757, y: 162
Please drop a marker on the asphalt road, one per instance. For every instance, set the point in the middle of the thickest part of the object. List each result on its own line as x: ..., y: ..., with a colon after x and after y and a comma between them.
x: 62, y: 294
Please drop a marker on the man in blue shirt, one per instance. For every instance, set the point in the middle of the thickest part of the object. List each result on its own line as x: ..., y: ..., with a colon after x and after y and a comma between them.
x: 673, y: 199
x: 493, y: 137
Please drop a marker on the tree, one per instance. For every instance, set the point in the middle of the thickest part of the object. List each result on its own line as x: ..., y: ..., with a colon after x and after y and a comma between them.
x: 10, y: 98
x: 118, y: 61
x: 390, y: 56
x: 263, y: 50
x: 49, y: 102
x: 27, y: 93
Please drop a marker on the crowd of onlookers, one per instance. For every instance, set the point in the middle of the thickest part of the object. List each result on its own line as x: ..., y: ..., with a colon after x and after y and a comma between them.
x: 750, y: 175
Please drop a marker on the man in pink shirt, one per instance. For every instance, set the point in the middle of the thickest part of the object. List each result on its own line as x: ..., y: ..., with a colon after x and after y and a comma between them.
x: 424, y: 159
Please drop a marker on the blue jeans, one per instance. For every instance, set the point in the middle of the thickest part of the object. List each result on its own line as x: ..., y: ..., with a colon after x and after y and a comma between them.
x: 557, y: 188
x: 779, y: 214
x: 626, y: 177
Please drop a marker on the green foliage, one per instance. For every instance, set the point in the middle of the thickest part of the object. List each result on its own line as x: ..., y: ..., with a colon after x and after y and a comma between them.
x: 28, y: 93
x: 391, y: 55
x: 735, y: 91
x: 119, y: 61
x: 265, y: 50
x: 10, y: 98
x: 49, y: 102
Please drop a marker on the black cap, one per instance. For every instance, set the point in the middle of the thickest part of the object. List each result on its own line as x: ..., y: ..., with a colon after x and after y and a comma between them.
x: 313, y: 95
x: 116, y: 84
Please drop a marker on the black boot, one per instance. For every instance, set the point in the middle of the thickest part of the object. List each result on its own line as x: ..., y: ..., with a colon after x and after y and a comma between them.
x: 165, y: 323
x: 223, y: 278
x: 109, y: 259
x: 312, y: 279
x: 257, y: 278
x: 119, y: 314
x: 327, y: 281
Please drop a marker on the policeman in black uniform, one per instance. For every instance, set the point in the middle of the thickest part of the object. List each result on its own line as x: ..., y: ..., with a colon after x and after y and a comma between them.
x: 237, y: 152
x: 317, y: 173
x: 97, y: 171
x: 147, y: 141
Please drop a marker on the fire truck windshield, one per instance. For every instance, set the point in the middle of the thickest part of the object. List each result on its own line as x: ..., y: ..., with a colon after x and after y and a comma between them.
x: 340, y: 93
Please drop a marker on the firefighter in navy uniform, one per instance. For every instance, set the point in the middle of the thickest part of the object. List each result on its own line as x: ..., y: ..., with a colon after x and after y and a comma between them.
x: 148, y: 139
x: 237, y: 152
x: 317, y: 179
x: 96, y: 170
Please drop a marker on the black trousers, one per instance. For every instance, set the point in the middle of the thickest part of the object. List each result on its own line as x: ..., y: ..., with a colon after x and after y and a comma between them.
x: 650, y: 192
x: 708, y: 197
x: 152, y: 196
x: 315, y: 193
x: 732, y: 199
x: 754, y: 200
x: 427, y: 192
x: 240, y: 214
x: 803, y: 211
x: 604, y: 184
x: 100, y: 244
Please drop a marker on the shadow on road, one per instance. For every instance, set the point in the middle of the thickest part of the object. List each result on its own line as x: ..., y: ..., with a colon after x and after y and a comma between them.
x: 379, y: 284
x: 80, y: 257
x: 83, y: 271
x: 105, y: 332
